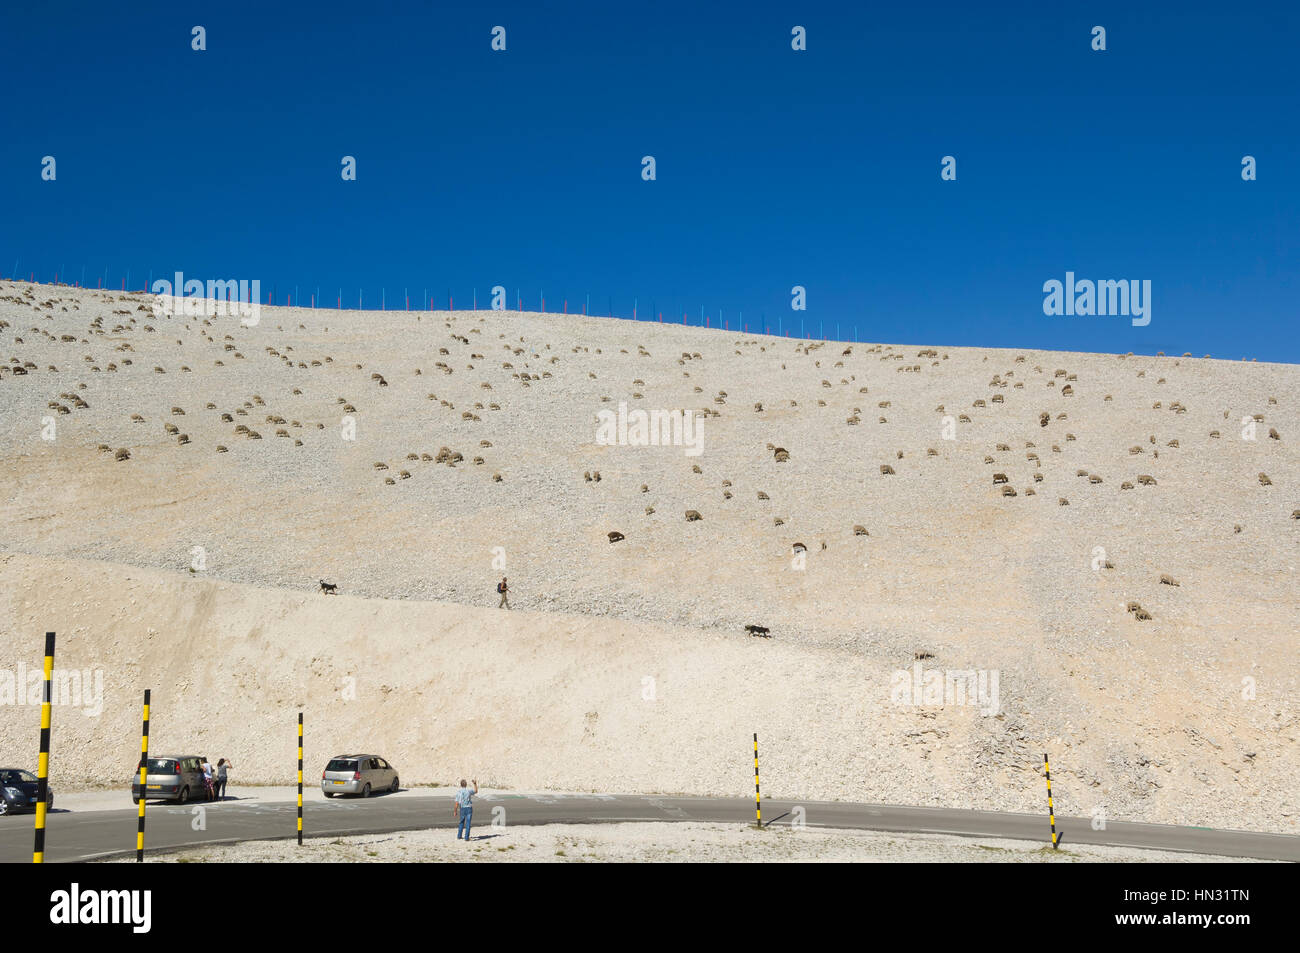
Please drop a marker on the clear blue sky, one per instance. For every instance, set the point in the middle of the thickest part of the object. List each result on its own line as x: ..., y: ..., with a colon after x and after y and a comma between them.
x: 775, y: 168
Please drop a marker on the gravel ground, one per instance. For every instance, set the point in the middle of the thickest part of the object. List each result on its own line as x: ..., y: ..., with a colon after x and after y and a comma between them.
x: 664, y: 843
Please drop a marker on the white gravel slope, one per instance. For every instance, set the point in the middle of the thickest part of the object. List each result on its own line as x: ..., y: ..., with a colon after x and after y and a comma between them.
x: 1189, y: 717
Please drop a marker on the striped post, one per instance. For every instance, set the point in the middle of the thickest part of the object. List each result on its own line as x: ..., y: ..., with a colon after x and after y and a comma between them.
x: 299, y: 779
x: 1051, y: 810
x: 758, y: 805
x: 43, y: 765
x: 144, y: 775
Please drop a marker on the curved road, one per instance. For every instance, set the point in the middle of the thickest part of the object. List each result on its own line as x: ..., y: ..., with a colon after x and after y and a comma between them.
x: 79, y: 836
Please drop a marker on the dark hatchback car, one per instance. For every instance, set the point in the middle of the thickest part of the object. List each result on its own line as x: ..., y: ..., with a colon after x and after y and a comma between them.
x: 18, y: 791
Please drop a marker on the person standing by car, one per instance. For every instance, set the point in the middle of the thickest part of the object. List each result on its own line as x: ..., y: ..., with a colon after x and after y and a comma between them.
x: 222, y: 767
x: 207, y: 778
x: 463, y: 808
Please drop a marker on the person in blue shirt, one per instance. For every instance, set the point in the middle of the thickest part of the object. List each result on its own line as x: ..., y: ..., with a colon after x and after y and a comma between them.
x: 463, y: 808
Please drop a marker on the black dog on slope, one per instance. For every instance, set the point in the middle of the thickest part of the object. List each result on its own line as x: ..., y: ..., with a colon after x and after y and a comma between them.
x: 329, y: 588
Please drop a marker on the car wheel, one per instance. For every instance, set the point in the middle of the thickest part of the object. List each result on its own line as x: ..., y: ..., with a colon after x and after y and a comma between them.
x: 183, y: 796
x: 365, y: 791
x: 395, y: 786
x: 4, y: 806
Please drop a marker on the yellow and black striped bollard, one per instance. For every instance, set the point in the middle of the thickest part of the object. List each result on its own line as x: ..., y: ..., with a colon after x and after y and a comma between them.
x: 144, y: 779
x: 758, y: 807
x: 1051, y: 810
x: 43, y: 765
x: 299, y: 779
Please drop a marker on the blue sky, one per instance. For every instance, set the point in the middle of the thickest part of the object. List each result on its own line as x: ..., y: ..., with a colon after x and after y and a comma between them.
x: 775, y: 168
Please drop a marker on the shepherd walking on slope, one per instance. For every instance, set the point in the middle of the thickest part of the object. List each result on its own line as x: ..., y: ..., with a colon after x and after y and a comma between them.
x: 505, y: 594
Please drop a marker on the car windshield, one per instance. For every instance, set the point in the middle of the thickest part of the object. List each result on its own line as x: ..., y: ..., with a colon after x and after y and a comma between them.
x: 16, y: 777
x: 162, y: 766
x: 341, y: 764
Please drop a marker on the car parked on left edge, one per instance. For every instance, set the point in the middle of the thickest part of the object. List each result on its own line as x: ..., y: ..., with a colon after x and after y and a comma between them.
x: 18, y: 791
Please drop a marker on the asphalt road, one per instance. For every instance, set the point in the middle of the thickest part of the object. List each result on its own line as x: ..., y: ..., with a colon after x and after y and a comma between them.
x: 86, y: 835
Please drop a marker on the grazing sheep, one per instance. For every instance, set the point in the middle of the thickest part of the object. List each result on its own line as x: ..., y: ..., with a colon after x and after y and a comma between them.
x: 615, y: 536
x: 762, y: 495
x: 1146, y: 480
x: 1008, y: 491
x: 862, y: 530
x: 886, y: 469
x: 781, y: 455
x: 693, y: 515
x: 1142, y: 615
x: 1273, y: 434
x: 1167, y: 580
x: 1094, y: 479
x: 1126, y: 485
x: 1264, y: 480
x: 999, y: 478
x: 1062, y: 501
x: 122, y: 454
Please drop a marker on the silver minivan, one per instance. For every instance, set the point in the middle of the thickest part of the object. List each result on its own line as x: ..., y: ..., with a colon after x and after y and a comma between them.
x: 358, y: 774
x: 172, y: 778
